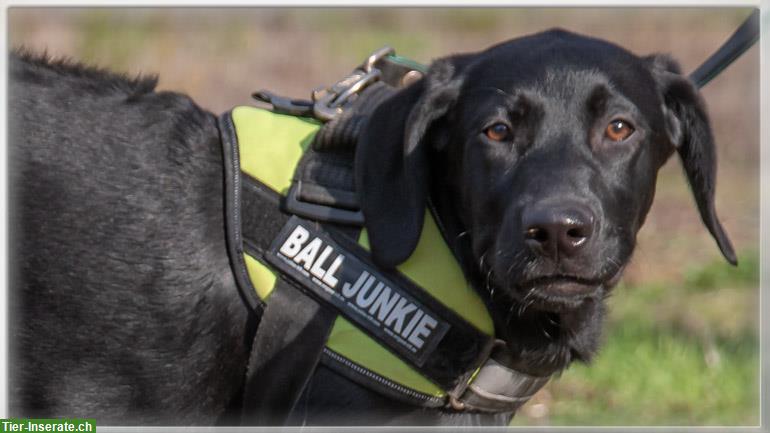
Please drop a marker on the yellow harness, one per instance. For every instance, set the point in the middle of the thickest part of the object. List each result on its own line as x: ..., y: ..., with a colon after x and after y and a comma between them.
x: 419, y: 333
x: 270, y: 147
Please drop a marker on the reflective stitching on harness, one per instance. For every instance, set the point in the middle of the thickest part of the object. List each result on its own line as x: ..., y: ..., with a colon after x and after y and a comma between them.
x: 379, y: 378
x: 230, y: 147
x: 237, y: 202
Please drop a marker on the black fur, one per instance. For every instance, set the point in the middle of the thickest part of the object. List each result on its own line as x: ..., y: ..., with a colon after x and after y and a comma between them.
x: 556, y: 91
x: 124, y: 306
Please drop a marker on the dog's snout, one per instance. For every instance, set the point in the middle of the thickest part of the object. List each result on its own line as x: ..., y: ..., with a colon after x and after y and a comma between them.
x: 555, y: 231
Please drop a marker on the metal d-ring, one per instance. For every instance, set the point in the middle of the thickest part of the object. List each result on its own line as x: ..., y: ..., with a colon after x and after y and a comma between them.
x: 377, y: 56
x: 328, y: 102
x: 356, y: 87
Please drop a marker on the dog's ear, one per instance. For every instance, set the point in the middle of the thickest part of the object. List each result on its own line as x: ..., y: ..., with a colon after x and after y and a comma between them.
x: 392, y: 161
x: 688, y: 129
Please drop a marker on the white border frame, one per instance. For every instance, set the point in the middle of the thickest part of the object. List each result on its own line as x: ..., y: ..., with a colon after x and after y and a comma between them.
x: 764, y: 304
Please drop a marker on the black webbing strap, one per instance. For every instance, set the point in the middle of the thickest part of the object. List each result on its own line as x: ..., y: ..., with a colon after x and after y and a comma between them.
x: 326, y: 179
x: 286, y: 349
x: 292, y: 332
x: 323, y: 187
x: 343, y: 131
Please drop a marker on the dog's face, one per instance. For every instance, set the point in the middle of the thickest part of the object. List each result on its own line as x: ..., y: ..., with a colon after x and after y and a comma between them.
x: 560, y: 140
x: 549, y: 147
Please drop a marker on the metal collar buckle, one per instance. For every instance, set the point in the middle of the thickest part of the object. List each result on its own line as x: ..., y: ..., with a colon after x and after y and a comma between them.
x: 494, y: 387
x: 454, y: 397
x: 329, y: 102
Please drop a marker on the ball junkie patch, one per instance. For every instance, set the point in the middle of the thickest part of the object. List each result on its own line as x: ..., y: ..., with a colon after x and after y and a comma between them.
x: 360, y: 292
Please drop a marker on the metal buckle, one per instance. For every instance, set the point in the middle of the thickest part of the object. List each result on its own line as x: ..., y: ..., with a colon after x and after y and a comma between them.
x: 454, y: 398
x: 495, y: 387
x: 329, y: 102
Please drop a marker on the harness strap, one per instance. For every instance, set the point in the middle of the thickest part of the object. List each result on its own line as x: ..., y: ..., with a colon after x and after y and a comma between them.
x: 292, y: 332
x: 342, y: 132
x: 449, y: 360
x: 323, y: 188
x: 286, y: 349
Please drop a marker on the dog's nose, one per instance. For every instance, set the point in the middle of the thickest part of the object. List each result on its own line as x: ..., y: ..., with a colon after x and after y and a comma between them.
x: 555, y: 231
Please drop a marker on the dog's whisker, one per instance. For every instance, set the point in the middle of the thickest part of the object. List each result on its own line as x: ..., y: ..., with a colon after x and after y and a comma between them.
x: 526, y: 302
x: 550, y: 319
x: 482, y: 260
x: 490, y: 287
x: 545, y: 332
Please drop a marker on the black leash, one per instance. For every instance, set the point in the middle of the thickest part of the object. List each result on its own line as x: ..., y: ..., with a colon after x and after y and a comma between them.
x: 740, y: 41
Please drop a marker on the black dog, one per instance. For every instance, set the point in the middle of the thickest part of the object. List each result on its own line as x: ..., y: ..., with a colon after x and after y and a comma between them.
x: 539, y: 156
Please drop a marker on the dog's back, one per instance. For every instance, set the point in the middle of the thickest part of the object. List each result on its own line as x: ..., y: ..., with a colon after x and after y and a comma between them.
x: 121, y: 292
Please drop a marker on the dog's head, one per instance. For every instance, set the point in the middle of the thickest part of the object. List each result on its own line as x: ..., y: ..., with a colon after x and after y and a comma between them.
x: 548, y: 147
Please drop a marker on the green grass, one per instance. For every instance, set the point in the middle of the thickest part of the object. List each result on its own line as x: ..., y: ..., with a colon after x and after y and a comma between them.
x: 685, y: 355
x: 746, y: 273
x: 648, y: 377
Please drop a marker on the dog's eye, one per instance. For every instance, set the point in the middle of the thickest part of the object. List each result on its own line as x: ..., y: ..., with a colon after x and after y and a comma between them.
x: 498, y: 132
x: 618, y: 130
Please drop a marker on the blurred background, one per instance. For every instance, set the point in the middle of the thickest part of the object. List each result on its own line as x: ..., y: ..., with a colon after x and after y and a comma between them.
x: 681, y: 344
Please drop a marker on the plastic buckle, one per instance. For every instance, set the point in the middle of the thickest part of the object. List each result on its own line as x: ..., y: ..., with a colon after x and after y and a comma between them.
x: 320, y: 212
x: 329, y: 102
x: 283, y: 105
